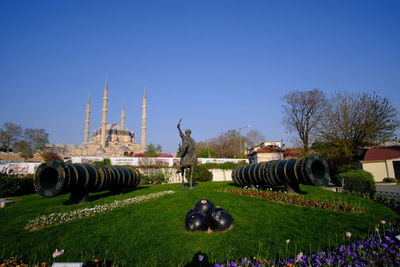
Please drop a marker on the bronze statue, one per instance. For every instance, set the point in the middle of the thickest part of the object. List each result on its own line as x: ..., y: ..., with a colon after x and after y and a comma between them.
x: 188, y: 153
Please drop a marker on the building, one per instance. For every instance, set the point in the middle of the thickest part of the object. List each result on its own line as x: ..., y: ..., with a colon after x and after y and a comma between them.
x: 109, y: 139
x: 382, y: 162
x: 272, y: 150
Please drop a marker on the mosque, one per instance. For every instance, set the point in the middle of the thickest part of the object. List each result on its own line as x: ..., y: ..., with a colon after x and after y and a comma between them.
x: 108, y: 139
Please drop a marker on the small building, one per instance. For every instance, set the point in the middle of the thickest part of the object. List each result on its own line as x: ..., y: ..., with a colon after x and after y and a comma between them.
x: 264, y: 154
x: 382, y: 162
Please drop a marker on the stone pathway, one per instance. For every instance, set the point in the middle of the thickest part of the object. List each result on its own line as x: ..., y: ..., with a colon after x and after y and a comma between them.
x: 392, y: 191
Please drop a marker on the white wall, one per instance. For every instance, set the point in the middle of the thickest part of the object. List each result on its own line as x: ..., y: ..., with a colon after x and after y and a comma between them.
x: 380, y: 168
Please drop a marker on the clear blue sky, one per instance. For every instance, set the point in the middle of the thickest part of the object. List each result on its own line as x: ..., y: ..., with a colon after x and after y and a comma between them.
x: 219, y: 65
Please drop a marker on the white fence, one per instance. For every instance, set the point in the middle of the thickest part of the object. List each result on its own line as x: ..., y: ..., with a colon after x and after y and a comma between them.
x: 136, y: 161
x: 23, y: 168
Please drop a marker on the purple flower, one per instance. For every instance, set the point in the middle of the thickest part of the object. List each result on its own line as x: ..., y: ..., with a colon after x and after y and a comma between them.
x: 218, y: 265
x: 245, y: 260
x: 201, y: 257
x: 300, y: 257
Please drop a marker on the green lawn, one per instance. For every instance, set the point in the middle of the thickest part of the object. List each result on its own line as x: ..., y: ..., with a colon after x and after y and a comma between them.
x: 153, y: 233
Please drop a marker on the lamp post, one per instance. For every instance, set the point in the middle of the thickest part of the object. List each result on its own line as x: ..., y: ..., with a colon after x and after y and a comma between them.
x: 240, y: 137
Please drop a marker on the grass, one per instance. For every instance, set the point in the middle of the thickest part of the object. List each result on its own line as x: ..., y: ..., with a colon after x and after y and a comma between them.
x: 153, y: 233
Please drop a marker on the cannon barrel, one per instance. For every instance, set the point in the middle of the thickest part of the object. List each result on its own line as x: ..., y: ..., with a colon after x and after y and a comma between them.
x: 54, y: 178
x: 311, y: 170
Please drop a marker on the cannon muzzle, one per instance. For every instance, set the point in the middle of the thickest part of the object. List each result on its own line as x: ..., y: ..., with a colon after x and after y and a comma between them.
x: 311, y: 170
x: 54, y: 178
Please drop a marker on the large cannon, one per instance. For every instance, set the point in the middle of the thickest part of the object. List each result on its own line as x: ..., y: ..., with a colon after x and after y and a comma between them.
x: 311, y: 170
x: 54, y: 178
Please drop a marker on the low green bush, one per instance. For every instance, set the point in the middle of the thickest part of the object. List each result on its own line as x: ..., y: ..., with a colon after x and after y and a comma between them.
x: 12, y: 186
x: 201, y: 174
x: 152, y: 178
x: 358, y: 182
x: 224, y: 166
x: 389, y: 180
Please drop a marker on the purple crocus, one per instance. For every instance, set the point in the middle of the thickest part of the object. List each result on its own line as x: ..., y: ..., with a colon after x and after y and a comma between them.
x: 201, y: 257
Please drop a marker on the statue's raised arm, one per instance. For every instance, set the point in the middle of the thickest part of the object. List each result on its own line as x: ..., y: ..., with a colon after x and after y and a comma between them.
x: 179, y: 127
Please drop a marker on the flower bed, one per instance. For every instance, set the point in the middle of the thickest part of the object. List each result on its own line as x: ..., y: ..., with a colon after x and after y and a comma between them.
x: 285, y: 198
x: 64, y: 217
x: 376, y: 250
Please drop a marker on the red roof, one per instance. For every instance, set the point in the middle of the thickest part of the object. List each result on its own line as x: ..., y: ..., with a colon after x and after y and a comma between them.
x: 268, y: 149
x: 382, y: 153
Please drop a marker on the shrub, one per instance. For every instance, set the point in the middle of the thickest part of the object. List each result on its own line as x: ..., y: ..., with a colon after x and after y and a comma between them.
x: 389, y: 180
x: 152, y: 178
x: 105, y: 162
x: 12, y: 186
x: 201, y: 174
x: 358, y: 182
x: 224, y: 166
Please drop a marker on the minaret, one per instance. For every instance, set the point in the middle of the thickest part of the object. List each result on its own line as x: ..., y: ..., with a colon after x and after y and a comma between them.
x: 123, y: 116
x: 144, y: 104
x: 87, y: 121
x: 104, y: 116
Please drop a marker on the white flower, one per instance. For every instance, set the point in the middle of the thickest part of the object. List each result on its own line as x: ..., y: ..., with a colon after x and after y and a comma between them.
x: 55, y: 218
x: 58, y: 253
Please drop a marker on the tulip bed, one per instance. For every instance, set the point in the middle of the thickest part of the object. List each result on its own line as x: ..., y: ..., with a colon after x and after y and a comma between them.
x: 152, y: 232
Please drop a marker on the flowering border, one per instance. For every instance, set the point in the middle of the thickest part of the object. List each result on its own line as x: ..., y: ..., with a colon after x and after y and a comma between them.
x: 285, y: 198
x: 65, y: 217
x: 380, y: 249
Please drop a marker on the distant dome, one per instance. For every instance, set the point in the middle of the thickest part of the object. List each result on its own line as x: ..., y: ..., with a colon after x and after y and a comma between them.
x: 123, y: 148
x: 114, y: 128
x: 101, y: 150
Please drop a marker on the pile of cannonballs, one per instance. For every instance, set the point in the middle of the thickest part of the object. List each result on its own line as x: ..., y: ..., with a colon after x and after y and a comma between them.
x: 206, y: 216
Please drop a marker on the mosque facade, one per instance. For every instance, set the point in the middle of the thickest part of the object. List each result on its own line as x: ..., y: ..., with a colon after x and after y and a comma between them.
x: 109, y: 139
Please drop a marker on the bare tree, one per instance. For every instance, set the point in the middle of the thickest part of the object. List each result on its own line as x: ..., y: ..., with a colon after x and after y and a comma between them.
x: 302, y: 112
x: 254, y: 137
x: 353, y: 121
x: 10, y: 134
x: 37, y: 138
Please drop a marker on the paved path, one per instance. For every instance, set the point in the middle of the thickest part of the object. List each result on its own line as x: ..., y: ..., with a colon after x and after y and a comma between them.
x: 388, y: 188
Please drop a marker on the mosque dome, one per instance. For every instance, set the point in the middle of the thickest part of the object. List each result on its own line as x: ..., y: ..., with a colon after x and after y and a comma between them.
x: 123, y: 148
x: 100, y: 150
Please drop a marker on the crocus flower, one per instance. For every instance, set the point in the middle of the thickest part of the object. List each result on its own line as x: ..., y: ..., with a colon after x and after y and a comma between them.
x: 300, y: 257
x: 382, y: 221
x: 348, y: 234
x: 201, y: 257
x: 58, y: 253
x: 288, y: 241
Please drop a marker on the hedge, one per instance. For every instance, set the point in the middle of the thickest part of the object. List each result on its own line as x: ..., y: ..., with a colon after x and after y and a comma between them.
x: 358, y: 182
x: 12, y: 186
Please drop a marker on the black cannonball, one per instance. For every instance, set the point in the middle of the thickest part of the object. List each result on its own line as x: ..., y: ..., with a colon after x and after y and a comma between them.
x: 220, y: 220
x: 196, y: 221
x: 189, y: 212
x: 204, y: 205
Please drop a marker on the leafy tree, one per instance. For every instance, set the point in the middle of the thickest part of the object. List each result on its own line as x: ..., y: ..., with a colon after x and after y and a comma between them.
x: 10, y: 134
x: 24, y: 148
x: 352, y: 122
x: 254, y: 137
x: 204, y: 150
x: 153, y: 150
x: 20, y: 146
x: 302, y: 112
x: 27, y: 153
